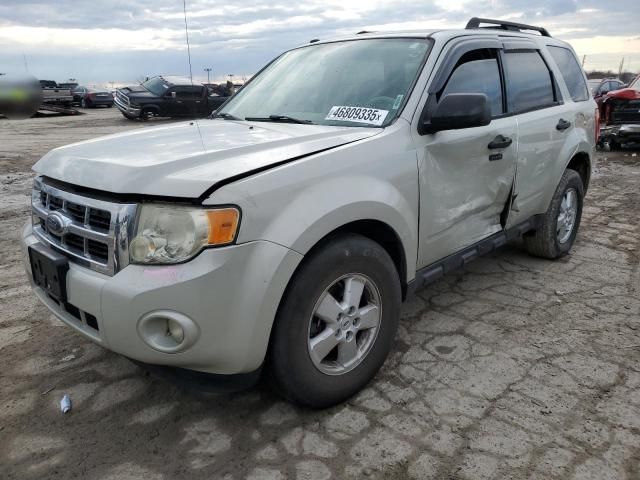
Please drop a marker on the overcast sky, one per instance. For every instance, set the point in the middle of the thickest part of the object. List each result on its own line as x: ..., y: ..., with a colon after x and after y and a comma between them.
x: 99, y: 41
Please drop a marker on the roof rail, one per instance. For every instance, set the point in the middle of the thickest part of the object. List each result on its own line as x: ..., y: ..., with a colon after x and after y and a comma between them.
x: 504, y: 25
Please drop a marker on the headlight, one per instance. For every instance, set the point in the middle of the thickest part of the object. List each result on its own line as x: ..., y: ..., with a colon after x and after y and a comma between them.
x: 173, y: 234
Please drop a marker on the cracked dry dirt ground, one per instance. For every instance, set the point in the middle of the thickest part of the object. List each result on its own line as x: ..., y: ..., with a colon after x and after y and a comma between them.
x: 516, y: 368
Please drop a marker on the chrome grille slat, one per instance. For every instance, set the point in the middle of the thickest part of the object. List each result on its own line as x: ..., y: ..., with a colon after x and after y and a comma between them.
x: 103, y: 249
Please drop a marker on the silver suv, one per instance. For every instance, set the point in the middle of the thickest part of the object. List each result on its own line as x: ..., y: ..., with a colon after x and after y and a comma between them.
x: 283, y: 233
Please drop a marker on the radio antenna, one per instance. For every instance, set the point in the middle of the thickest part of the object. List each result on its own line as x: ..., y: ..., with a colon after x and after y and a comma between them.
x: 186, y: 32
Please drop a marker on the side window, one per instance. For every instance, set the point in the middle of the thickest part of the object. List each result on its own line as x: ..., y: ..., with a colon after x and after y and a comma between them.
x: 478, y: 72
x: 188, y: 93
x: 571, y: 72
x: 529, y: 84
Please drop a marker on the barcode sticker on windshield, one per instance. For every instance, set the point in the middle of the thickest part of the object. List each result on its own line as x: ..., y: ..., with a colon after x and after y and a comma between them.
x: 371, y: 116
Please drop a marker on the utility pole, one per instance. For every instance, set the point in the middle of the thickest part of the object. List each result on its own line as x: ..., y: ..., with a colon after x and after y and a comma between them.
x: 26, y: 67
x: 208, y: 70
x: 584, y: 59
x: 621, y: 67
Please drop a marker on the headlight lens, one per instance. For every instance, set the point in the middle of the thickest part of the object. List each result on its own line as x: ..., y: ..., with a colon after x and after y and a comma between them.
x: 173, y: 234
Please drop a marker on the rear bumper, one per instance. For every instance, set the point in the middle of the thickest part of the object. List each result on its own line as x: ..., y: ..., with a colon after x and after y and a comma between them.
x: 102, y: 101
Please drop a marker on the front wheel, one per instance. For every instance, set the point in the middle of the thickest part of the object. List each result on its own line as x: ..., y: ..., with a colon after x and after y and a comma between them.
x: 559, y: 226
x: 337, y: 322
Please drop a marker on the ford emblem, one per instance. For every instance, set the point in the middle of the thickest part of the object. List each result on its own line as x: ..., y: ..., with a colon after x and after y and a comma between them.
x: 56, y: 224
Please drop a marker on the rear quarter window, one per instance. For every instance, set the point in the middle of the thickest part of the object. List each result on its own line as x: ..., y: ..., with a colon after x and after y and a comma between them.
x: 529, y: 81
x: 571, y: 72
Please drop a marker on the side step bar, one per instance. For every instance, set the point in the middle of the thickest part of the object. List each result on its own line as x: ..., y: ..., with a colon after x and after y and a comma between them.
x: 439, y: 269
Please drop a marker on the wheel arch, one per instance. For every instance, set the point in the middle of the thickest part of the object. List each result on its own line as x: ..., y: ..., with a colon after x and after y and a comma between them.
x: 379, y: 232
x: 581, y: 163
x: 149, y: 106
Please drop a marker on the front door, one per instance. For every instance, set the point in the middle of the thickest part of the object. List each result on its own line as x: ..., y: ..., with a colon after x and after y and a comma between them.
x: 466, y: 175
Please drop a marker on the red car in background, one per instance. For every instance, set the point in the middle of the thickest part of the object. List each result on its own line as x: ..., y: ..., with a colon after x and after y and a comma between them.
x: 620, y: 116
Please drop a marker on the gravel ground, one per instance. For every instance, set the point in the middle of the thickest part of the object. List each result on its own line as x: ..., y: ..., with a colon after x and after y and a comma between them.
x: 515, y: 368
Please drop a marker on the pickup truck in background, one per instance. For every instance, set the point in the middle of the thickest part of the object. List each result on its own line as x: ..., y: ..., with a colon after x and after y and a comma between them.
x: 54, y: 94
x: 620, y: 116
x: 167, y: 96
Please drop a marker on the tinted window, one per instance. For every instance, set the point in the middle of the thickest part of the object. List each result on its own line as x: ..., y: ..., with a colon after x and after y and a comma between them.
x: 478, y: 72
x: 529, y: 83
x: 188, y: 93
x: 571, y: 72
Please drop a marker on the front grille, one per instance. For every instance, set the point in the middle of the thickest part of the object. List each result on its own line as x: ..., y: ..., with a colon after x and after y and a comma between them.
x: 627, y: 112
x: 75, y: 312
x: 122, y: 98
x: 94, y: 233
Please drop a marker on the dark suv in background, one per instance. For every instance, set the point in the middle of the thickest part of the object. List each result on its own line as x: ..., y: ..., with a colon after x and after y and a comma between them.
x: 167, y: 96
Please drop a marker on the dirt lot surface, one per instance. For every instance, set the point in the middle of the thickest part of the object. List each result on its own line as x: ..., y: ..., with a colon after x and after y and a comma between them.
x: 516, y: 368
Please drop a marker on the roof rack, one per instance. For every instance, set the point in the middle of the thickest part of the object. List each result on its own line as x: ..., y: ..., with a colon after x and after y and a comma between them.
x: 504, y: 25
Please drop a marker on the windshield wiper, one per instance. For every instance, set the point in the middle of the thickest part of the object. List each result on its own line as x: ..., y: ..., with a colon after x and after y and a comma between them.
x: 279, y: 118
x: 226, y: 116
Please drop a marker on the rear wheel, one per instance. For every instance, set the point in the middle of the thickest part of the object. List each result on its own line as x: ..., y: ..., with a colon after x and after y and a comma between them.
x: 336, y: 324
x: 559, y: 226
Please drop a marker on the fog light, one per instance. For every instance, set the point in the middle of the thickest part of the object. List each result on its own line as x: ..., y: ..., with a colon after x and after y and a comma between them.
x: 175, y: 330
x: 168, y: 331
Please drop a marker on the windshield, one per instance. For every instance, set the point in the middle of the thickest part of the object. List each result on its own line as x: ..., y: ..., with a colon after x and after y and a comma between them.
x: 354, y: 83
x: 156, y: 85
x: 635, y: 84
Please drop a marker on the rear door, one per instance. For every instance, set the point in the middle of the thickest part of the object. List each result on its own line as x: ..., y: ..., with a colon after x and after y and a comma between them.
x: 465, y: 179
x: 545, y: 124
x: 188, y: 100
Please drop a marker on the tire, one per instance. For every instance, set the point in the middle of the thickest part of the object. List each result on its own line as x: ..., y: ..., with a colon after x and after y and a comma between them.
x: 551, y: 240
x: 323, y: 381
x: 146, y: 114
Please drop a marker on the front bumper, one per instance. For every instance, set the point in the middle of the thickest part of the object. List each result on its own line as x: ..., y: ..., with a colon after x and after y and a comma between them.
x: 625, y: 132
x: 126, y: 109
x: 231, y: 294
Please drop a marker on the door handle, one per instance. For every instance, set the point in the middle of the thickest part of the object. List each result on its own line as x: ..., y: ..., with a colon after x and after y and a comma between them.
x: 563, y: 124
x: 500, y: 142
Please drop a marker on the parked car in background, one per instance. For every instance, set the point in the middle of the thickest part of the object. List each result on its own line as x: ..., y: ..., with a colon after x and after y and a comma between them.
x: 602, y: 86
x: 88, y: 97
x: 167, y: 96
x: 53, y: 94
x: 620, y: 116
x: 69, y: 85
x: 282, y: 233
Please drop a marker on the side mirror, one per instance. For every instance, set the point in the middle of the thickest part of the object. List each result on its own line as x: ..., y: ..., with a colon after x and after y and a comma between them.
x: 173, y: 95
x: 459, y: 110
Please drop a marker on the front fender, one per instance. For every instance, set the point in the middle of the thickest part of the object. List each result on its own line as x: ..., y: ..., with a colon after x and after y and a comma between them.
x: 299, y: 203
x: 329, y: 205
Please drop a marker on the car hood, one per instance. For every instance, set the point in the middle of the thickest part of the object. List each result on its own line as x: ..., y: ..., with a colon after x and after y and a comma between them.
x: 624, y: 94
x: 137, y: 91
x: 188, y: 158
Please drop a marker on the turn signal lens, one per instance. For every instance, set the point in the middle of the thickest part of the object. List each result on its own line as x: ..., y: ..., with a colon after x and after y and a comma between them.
x: 223, y: 225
